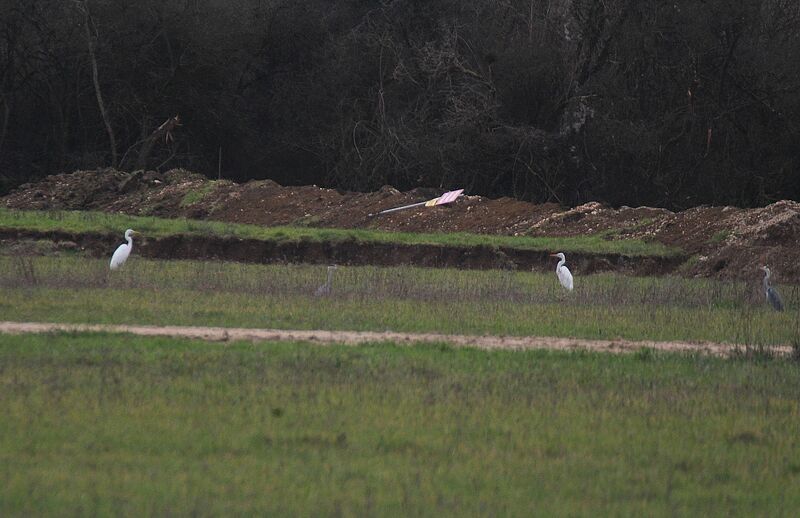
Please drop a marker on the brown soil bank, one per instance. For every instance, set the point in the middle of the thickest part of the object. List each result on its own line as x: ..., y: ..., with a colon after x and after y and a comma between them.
x: 346, y: 253
x: 724, y: 241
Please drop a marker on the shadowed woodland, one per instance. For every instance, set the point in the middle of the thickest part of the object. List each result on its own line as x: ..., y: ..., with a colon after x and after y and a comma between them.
x: 635, y: 102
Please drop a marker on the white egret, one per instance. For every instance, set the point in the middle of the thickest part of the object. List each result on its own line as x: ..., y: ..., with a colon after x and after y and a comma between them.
x: 123, y: 251
x: 325, y: 289
x: 773, y: 297
x: 563, y: 273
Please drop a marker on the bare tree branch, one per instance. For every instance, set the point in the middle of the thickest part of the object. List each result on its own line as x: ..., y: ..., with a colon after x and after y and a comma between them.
x: 90, y: 42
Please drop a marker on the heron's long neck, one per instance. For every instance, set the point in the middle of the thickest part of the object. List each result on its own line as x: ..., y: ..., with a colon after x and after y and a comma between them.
x: 129, y: 239
x: 561, y: 263
x: 766, y: 280
x: 330, y: 277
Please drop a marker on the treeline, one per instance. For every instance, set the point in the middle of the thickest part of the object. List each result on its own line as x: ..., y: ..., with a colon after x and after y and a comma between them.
x: 626, y: 101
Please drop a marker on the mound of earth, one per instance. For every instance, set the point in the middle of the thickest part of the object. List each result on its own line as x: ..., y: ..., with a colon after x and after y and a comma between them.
x: 723, y: 241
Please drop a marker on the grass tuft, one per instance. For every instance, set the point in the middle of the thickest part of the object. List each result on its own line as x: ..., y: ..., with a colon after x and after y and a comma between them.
x: 197, y: 195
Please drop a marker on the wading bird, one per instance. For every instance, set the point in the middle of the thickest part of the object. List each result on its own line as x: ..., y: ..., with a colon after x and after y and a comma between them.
x: 773, y: 297
x: 325, y: 289
x: 123, y: 251
x: 563, y: 273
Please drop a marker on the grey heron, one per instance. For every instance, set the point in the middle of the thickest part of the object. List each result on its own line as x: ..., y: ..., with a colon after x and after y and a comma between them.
x: 563, y: 273
x: 773, y: 297
x: 325, y: 289
x: 123, y: 251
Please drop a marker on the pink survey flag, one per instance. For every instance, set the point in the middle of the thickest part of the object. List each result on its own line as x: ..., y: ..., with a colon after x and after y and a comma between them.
x: 448, y: 197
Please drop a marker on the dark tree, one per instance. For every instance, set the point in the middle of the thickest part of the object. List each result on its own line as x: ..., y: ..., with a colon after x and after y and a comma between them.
x: 624, y: 101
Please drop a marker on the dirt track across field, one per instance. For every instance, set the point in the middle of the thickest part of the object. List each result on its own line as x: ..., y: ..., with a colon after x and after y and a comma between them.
x: 224, y: 334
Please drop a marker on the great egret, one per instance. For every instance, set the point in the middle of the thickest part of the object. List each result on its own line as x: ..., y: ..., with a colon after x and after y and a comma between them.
x: 563, y: 273
x: 123, y: 251
x: 773, y: 297
x: 325, y: 289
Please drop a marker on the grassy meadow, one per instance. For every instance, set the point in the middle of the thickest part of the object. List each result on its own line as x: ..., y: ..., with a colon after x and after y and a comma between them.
x: 97, y: 424
x: 81, y: 290
x: 87, y: 221
x: 104, y: 424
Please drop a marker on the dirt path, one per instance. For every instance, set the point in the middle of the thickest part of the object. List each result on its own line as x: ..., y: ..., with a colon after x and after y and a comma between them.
x: 359, y: 337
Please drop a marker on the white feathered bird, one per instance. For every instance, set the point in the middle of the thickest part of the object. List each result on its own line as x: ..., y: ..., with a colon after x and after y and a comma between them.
x: 123, y: 251
x: 563, y: 273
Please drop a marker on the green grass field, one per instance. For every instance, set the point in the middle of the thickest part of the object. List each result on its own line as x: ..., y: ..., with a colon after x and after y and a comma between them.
x: 81, y: 290
x: 98, y: 424
x: 116, y: 425
x: 78, y: 222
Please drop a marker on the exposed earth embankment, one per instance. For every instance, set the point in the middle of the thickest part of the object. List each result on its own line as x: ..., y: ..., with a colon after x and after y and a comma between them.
x: 719, y: 241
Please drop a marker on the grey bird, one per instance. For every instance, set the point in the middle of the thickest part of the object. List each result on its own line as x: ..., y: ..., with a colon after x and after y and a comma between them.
x: 325, y: 289
x: 773, y: 297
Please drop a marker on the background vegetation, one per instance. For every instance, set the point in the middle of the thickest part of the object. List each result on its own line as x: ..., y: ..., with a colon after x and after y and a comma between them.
x: 627, y: 101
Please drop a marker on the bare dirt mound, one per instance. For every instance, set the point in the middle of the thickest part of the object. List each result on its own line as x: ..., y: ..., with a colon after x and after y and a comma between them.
x: 724, y: 241
x: 489, y: 342
x: 180, y: 193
